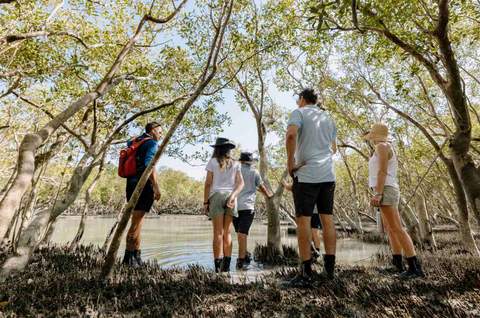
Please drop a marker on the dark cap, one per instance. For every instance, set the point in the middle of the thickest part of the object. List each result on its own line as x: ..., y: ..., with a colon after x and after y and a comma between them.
x: 246, y: 157
x: 223, y: 142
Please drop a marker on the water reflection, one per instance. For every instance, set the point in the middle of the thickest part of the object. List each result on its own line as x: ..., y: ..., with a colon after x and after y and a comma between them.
x: 183, y: 240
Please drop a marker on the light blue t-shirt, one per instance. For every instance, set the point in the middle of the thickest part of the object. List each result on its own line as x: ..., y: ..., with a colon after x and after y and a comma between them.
x: 252, y: 180
x: 316, y: 133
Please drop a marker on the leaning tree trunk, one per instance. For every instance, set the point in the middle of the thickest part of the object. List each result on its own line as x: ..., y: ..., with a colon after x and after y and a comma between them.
x: 35, y: 231
x: 88, y: 199
x: 426, y: 230
x: 208, y: 74
x: 32, y: 141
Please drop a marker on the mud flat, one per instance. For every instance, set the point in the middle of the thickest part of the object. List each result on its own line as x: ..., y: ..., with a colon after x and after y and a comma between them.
x: 62, y: 284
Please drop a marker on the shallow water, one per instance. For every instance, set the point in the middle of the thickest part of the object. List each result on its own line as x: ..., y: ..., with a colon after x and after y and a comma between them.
x: 182, y: 240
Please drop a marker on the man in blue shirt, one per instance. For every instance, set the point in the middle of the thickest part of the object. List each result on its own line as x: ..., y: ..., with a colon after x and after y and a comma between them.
x: 311, y: 139
x: 150, y: 192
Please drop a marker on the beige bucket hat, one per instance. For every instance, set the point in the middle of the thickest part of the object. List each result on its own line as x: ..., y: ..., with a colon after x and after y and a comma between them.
x: 378, y: 132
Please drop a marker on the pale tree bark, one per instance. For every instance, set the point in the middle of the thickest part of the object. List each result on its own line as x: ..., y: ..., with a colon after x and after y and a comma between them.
x: 461, y: 200
x: 32, y: 141
x: 206, y: 77
x: 450, y: 82
x: 426, y: 230
x: 88, y: 199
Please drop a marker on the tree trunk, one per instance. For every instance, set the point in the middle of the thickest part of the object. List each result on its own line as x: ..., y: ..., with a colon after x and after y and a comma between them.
x: 425, y: 228
x: 32, y: 141
x: 88, y: 199
x: 36, y: 230
x: 411, y: 222
x: 465, y: 229
x: 208, y: 74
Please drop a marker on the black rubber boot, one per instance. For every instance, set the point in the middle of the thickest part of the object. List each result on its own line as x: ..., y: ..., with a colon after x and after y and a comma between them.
x: 226, y: 264
x: 414, y: 269
x: 218, y: 264
x: 329, y: 265
x: 137, y: 257
x: 397, y: 261
x: 304, y: 278
x: 240, y: 263
x: 248, y: 258
x: 128, y: 258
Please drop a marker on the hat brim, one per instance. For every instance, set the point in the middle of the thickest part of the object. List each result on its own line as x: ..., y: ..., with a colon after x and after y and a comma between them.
x: 375, y: 137
x: 253, y: 160
x: 230, y: 145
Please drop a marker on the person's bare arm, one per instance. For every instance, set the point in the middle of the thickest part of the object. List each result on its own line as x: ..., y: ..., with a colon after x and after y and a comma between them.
x: 291, y: 144
x: 206, y: 191
x: 334, y: 147
x: 382, y: 153
x: 265, y: 191
x: 239, y: 183
x: 156, y: 188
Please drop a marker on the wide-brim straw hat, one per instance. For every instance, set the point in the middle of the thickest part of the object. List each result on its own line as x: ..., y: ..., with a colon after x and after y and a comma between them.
x: 222, y: 142
x: 378, y: 132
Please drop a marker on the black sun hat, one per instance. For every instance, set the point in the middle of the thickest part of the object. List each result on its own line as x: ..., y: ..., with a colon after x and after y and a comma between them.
x: 246, y: 157
x: 220, y: 142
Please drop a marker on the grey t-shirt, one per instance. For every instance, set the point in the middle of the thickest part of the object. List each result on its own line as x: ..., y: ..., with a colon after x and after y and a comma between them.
x: 252, y: 180
x: 316, y: 133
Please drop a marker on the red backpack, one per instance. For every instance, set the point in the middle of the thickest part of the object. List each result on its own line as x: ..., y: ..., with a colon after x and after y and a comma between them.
x: 127, y: 164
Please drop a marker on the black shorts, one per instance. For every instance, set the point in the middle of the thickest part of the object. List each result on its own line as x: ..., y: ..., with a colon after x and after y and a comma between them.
x: 315, y: 221
x: 308, y: 195
x: 145, y: 201
x: 243, y: 222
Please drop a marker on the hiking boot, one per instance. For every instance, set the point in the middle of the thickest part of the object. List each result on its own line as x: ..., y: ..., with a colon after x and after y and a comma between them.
x: 397, y: 262
x: 128, y: 258
x: 226, y: 264
x: 218, y: 264
x: 414, y: 269
x: 329, y: 265
x: 137, y: 257
x: 240, y: 263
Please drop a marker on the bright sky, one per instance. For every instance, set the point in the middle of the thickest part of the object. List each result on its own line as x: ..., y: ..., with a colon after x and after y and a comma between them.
x: 242, y: 130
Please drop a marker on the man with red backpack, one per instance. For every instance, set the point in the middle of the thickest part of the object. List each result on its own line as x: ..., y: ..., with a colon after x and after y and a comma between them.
x: 143, y: 148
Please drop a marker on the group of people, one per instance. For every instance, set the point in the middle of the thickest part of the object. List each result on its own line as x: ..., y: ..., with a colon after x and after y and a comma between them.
x: 231, y: 186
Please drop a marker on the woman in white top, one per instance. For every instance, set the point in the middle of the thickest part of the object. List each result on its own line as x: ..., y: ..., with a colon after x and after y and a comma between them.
x: 223, y: 184
x: 382, y: 179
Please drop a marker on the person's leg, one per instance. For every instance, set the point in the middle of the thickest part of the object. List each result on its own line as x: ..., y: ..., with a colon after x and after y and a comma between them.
x: 392, y: 216
x: 304, y: 236
x: 395, y: 245
x: 133, y: 234
x: 325, y: 202
x: 329, y: 234
x: 227, y: 243
x: 315, y: 225
x: 242, y: 245
x: 217, y: 245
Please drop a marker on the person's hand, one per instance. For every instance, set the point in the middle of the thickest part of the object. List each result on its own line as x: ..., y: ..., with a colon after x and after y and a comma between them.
x: 156, y: 193
x: 286, y: 185
x: 291, y: 168
x: 376, y: 200
x: 231, y: 202
x: 206, y: 208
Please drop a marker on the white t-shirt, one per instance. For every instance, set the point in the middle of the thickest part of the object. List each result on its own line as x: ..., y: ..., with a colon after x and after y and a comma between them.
x: 223, y: 181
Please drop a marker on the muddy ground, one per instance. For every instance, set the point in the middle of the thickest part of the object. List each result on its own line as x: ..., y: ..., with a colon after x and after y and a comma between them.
x: 62, y: 284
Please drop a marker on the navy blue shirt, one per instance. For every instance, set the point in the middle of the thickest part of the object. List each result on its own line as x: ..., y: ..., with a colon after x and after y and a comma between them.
x: 145, y: 154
